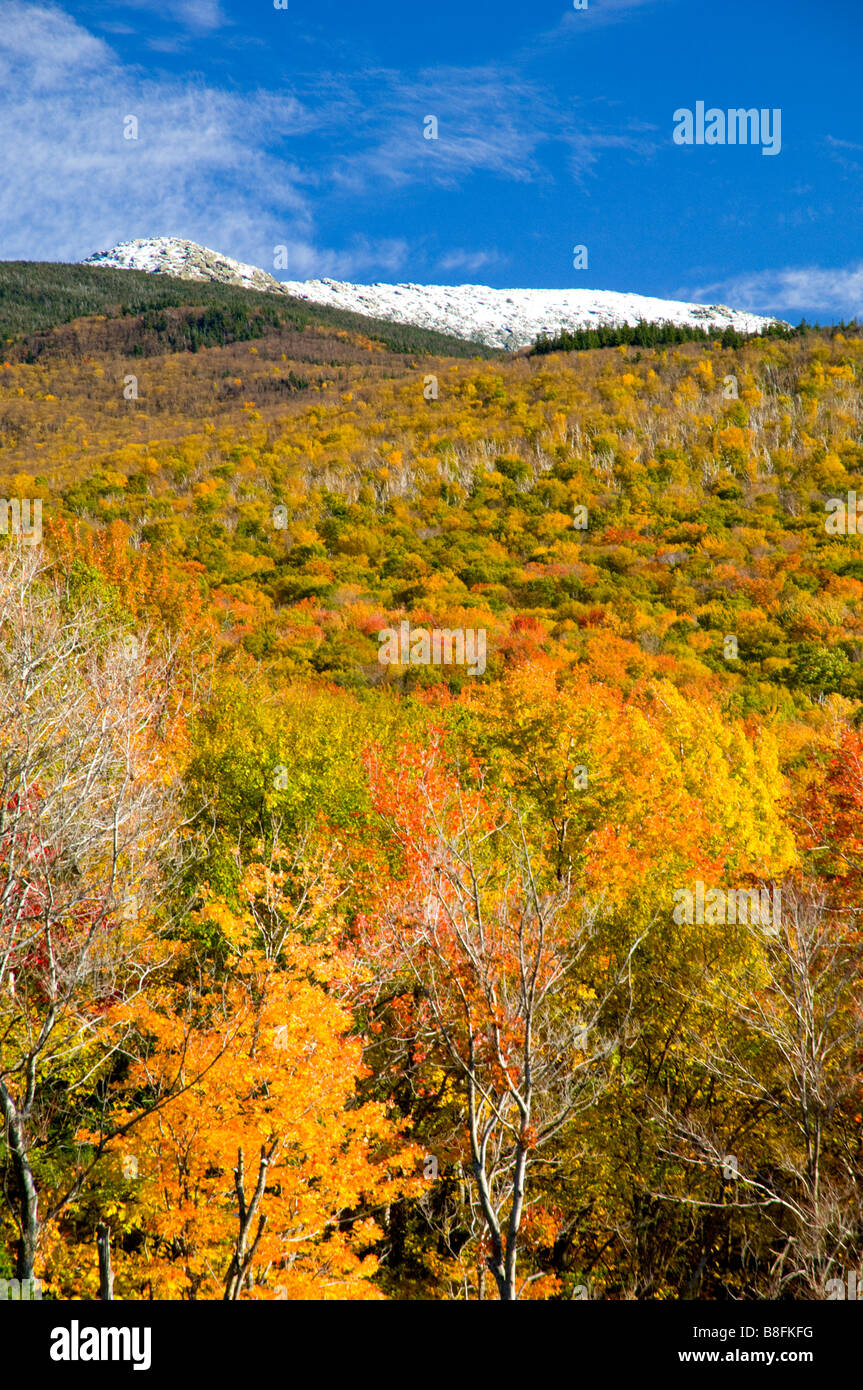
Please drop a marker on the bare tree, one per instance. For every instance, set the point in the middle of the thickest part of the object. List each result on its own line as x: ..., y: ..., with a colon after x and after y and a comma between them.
x: 87, y: 818
x: 789, y: 1066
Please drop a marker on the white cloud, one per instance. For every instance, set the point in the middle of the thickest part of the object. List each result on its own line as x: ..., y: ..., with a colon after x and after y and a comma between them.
x: 75, y: 184
x: 469, y: 261
x: 837, y: 291
x: 42, y: 47
x: 309, y: 262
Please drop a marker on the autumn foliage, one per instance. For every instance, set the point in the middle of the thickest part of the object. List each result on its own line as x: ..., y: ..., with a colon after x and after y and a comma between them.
x: 328, y: 979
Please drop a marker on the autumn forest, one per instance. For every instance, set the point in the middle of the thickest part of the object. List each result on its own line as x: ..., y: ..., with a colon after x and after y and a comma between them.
x: 431, y: 827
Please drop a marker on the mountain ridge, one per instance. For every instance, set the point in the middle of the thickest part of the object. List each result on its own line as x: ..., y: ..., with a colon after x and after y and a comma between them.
x: 500, y: 318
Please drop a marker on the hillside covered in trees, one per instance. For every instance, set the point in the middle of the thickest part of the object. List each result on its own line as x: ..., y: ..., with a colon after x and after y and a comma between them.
x: 432, y: 805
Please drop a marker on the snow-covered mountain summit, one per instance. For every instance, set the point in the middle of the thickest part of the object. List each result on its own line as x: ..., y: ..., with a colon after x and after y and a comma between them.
x: 500, y: 318
x: 167, y: 255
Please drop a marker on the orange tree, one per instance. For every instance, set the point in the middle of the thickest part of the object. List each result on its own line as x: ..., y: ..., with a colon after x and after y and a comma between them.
x: 481, y: 955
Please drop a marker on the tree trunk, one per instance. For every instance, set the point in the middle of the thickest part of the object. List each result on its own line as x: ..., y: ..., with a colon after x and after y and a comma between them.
x: 106, y: 1273
x: 243, y: 1255
x: 28, y: 1198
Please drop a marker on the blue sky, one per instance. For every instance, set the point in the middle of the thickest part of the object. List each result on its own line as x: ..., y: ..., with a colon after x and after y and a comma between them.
x: 303, y: 127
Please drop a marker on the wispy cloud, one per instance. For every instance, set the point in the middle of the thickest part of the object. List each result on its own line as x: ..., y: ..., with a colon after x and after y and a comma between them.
x: 842, y: 152
x: 843, y: 144
x: 490, y: 120
x: 588, y: 145
x: 598, y: 15
x: 469, y: 262
x: 834, y: 291
x: 602, y: 12
x: 198, y: 16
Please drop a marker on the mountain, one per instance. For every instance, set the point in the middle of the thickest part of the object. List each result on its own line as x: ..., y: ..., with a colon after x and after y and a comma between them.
x: 510, y: 318
x: 163, y: 255
x: 516, y: 318
x: 52, y: 309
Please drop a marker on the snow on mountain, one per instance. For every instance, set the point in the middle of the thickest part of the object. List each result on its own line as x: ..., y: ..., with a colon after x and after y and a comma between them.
x: 165, y: 255
x: 515, y: 318
x: 500, y: 318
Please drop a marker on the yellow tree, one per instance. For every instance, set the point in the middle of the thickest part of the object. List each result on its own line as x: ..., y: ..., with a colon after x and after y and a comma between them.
x: 265, y: 1178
